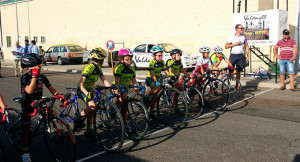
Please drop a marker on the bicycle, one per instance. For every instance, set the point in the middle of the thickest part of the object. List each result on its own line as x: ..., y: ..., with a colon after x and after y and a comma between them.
x: 137, y: 114
x: 194, y: 97
x: 2, y: 154
x: 108, y: 122
x: 233, y: 83
x: 58, y: 136
x: 215, y: 91
x: 172, y: 106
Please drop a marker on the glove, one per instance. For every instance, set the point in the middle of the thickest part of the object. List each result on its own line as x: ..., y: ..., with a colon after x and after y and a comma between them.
x: 34, y: 72
x: 88, y: 97
x: 157, y: 83
x: 221, y: 58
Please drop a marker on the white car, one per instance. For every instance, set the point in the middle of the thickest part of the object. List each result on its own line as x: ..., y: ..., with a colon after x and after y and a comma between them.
x: 142, y: 55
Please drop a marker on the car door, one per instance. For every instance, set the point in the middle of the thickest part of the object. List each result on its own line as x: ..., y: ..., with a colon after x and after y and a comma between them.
x: 55, y: 53
x: 47, y: 56
x: 140, y: 55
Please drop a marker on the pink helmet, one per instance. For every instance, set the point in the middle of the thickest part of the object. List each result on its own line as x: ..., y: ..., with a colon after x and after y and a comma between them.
x: 125, y: 52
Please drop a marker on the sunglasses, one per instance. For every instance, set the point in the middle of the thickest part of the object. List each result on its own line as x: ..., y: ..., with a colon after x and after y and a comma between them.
x: 127, y: 59
x: 241, y: 28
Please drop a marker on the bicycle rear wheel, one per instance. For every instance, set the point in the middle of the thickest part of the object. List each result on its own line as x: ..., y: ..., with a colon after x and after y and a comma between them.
x: 234, y: 86
x: 109, y: 126
x: 60, y: 140
x: 138, y: 119
x: 12, y: 127
x: 172, y: 107
x: 195, y: 102
x: 216, y: 94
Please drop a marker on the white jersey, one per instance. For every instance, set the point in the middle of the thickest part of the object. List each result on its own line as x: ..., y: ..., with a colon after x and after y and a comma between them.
x: 203, y: 61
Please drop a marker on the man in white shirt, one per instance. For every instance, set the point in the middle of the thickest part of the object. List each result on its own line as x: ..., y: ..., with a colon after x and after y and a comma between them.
x: 18, y: 53
x: 237, y: 42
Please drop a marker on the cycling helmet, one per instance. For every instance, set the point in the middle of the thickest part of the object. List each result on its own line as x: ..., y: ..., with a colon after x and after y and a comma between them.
x: 218, y: 49
x: 98, y: 53
x: 204, y: 48
x: 30, y: 60
x: 156, y: 49
x: 174, y: 51
x: 125, y: 52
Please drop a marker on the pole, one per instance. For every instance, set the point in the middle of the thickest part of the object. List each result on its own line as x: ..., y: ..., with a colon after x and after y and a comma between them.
x: 28, y: 19
x: 112, y: 62
x: 17, y: 21
x: 233, y: 6
x: 239, y: 6
x: 297, y: 34
x: 287, y: 5
x: 277, y: 4
x: 1, y: 44
x: 246, y: 6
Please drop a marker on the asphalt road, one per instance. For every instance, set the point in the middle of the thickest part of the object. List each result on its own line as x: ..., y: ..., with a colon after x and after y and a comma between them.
x: 262, y: 126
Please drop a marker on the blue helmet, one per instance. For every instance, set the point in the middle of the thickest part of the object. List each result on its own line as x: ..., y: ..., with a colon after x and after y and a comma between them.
x: 156, y: 49
x: 174, y: 51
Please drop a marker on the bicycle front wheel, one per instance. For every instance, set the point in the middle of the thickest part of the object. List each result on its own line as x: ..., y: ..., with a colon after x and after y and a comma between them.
x: 13, y: 127
x: 216, y: 94
x: 234, y: 86
x: 138, y: 119
x: 195, y: 102
x: 109, y: 126
x: 172, y: 107
x: 60, y: 140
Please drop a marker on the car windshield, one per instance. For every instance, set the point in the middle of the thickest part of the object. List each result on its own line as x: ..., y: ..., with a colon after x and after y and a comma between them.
x: 75, y: 48
x: 167, y: 47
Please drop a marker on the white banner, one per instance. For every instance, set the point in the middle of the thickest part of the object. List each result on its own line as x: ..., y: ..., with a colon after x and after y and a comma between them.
x: 262, y: 27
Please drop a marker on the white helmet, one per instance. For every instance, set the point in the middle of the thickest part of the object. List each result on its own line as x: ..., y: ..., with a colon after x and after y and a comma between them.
x: 218, y: 49
x: 204, y: 48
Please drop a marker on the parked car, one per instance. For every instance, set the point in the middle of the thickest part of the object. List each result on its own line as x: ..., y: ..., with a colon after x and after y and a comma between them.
x: 142, y: 55
x: 64, y: 53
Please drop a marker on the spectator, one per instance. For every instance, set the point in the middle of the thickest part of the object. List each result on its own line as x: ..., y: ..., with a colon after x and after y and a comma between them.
x: 1, y: 58
x: 33, y: 48
x: 237, y: 42
x: 288, y: 54
x: 26, y: 47
x: 42, y: 53
x: 18, y: 53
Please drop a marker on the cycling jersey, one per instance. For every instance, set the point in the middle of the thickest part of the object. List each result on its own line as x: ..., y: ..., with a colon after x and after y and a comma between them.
x: 28, y: 98
x: 157, y: 67
x: 204, y: 62
x: 125, y: 73
x: 214, y: 58
x: 176, y: 65
x: 92, y: 72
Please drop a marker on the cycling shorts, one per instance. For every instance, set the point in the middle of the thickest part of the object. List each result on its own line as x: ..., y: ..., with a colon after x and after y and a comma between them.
x: 81, y: 95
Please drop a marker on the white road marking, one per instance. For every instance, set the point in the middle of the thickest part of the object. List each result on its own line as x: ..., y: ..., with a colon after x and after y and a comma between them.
x: 167, y: 128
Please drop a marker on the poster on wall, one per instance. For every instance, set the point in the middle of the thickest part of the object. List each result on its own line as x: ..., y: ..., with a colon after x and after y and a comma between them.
x: 262, y: 27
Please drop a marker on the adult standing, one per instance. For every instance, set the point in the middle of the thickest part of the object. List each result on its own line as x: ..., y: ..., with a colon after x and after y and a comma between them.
x: 18, y: 53
x: 237, y: 42
x: 288, y: 54
x: 1, y: 58
x: 33, y: 48
x: 26, y: 46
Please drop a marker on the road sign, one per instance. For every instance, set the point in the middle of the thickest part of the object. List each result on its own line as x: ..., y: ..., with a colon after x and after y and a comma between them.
x: 110, y: 45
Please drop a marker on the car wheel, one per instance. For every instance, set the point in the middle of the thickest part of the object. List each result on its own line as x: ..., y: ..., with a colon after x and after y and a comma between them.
x: 60, y: 61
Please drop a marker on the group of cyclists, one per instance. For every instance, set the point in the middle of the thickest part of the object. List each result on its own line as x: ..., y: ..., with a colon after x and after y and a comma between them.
x: 32, y: 83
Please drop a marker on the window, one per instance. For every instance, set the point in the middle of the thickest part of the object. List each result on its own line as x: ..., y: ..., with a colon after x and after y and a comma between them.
x: 43, y: 39
x: 75, y: 48
x: 55, y: 49
x: 140, y: 48
x: 63, y: 49
x: 149, y: 47
x: 35, y: 38
x: 49, y: 50
x: 8, y: 41
x: 27, y: 37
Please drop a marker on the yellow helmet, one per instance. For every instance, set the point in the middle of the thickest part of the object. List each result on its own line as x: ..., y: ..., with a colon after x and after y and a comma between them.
x: 98, y: 53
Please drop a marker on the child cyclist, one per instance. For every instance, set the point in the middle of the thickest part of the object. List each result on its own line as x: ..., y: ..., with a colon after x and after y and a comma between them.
x: 124, y: 75
x: 218, y: 56
x: 89, y: 76
x: 174, y: 67
x: 155, y: 67
x: 203, y: 62
x: 2, y: 104
x: 31, y: 89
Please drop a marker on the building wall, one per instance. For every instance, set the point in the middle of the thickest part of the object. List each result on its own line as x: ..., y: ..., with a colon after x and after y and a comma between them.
x: 187, y: 24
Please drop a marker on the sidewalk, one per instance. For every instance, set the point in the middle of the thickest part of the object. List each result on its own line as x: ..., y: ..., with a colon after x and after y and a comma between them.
x: 141, y: 74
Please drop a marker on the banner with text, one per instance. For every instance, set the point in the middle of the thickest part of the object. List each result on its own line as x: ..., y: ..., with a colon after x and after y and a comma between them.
x: 262, y: 27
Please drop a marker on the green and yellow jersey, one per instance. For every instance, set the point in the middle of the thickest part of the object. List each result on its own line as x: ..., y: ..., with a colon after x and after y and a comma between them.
x: 157, y: 67
x: 176, y: 65
x: 92, y: 72
x: 125, y: 73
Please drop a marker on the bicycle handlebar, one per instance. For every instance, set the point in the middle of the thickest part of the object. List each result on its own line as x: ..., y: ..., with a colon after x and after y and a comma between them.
x: 3, y: 116
x: 36, y: 103
x: 132, y: 86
